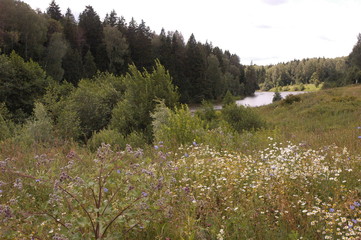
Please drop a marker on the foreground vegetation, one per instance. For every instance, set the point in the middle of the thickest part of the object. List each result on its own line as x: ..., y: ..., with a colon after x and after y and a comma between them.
x: 291, y: 170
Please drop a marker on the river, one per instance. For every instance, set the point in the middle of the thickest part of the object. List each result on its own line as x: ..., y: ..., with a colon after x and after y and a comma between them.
x: 262, y: 98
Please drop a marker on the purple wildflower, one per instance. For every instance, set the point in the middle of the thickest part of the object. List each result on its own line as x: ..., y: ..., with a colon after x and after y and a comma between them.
x: 37, y: 180
x: 359, y: 137
x: 332, y: 210
x: 352, y: 207
x: 354, y: 221
x: 195, y: 143
x: 106, y: 189
x: 118, y: 171
x: 156, y: 147
x: 144, y: 194
x: 186, y: 155
x: 1, y: 191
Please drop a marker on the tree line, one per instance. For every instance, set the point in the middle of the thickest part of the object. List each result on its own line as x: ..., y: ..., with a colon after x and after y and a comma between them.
x: 70, y: 50
x: 332, y: 72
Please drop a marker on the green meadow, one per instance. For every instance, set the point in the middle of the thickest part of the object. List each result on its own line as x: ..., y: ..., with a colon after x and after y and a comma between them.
x: 288, y: 170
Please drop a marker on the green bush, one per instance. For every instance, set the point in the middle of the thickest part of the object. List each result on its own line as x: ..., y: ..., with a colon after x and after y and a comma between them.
x: 107, y: 136
x: 241, y: 118
x: 143, y: 89
x: 276, y: 97
x: 208, y: 114
x: 228, y: 98
x: 40, y: 129
x: 180, y: 127
x: 289, y: 99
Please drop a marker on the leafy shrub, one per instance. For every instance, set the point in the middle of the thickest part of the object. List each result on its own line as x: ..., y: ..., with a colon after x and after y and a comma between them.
x: 241, y: 118
x: 208, y: 114
x: 21, y: 84
x: 132, y: 113
x: 107, y: 136
x: 40, y: 129
x: 104, y: 196
x: 6, y: 125
x: 276, y: 97
x: 228, y: 98
x: 180, y: 127
x: 289, y: 99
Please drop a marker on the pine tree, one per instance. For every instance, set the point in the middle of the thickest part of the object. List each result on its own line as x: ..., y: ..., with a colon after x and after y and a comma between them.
x: 54, y: 11
x: 195, y: 70
x: 89, y: 65
x: 91, y: 26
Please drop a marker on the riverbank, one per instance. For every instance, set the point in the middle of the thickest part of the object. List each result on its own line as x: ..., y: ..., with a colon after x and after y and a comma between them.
x: 298, y: 87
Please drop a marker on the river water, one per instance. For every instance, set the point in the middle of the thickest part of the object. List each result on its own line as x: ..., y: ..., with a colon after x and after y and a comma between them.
x: 262, y: 98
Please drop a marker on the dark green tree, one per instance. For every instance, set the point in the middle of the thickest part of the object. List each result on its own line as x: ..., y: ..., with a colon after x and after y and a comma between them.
x: 111, y: 19
x: 21, y: 83
x: 92, y: 28
x: 140, y: 44
x: 70, y: 29
x: 54, y: 55
x: 195, y: 70
x: 54, y: 11
x: 214, y: 77
x: 73, y: 66
x: 116, y: 48
x: 89, y: 67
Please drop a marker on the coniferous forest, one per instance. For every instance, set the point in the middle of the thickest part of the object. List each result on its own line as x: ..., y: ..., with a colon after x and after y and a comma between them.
x: 97, y: 140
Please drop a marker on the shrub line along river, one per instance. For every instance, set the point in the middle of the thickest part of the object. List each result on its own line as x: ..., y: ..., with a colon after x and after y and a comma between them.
x: 258, y: 99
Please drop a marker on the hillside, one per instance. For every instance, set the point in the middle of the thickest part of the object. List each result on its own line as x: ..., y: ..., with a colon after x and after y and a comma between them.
x: 320, y: 118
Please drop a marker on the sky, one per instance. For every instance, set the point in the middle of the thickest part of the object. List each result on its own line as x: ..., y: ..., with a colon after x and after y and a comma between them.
x: 258, y: 31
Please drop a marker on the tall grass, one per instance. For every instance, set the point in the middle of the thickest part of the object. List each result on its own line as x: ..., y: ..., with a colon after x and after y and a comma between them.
x: 296, y: 178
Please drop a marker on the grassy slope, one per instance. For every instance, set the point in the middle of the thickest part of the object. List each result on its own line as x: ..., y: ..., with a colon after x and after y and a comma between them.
x: 321, y: 118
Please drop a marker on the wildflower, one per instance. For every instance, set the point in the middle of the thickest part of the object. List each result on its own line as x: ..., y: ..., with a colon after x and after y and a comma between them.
x: 357, y: 204
x: 37, y: 180
x: 118, y: 171
x: 1, y: 191
x: 195, y: 143
x: 186, y: 155
x: 144, y: 194
x: 354, y: 221
x: 156, y: 147
x: 359, y: 137
x: 352, y: 207
x: 106, y: 190
x: 332, y: 210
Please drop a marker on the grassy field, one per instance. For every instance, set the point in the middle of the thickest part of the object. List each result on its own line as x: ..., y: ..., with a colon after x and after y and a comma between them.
x: 320, y: 118
x: 300, y: 178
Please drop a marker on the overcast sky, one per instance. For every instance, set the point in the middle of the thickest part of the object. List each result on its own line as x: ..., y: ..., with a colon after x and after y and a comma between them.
x: 262, y: 31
